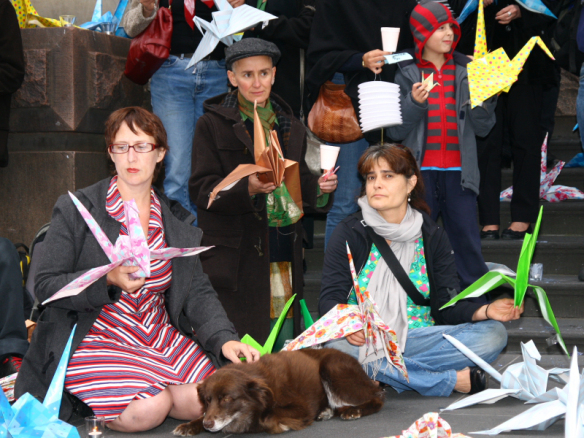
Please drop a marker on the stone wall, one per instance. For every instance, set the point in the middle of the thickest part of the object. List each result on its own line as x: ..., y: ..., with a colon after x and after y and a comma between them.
x: 82, y: 9
x: 74, y: 80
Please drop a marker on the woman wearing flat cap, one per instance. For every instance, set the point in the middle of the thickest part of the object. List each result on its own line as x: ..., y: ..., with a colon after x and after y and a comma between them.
x: 256, y: 265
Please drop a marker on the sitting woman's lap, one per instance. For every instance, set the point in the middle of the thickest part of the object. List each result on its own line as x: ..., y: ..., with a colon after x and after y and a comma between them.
x: 431, y: 360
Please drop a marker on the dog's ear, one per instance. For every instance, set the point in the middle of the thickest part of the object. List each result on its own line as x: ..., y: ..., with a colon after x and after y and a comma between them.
x: 261, y: 392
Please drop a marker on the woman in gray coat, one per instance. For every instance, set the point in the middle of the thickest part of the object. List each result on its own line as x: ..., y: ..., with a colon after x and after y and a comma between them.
x: 141, y: 344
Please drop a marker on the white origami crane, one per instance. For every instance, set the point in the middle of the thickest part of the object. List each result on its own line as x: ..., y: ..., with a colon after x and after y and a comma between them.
x: 547, y: 191
x: 130, y: 250
x: 555, y: 404
x: 226, y: 22
x: 524, y: 380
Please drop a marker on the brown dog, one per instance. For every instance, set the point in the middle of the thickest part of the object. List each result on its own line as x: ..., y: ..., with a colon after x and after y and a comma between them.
x: 283, y: 391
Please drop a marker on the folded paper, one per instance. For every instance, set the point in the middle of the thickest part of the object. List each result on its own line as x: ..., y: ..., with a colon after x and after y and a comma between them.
x: 269, y: 345
x: 492, y: 73
x: 28, y: 17
x: 130, y: 250
x: 551, y: 406
x: 270, y: 166
x: 29, y: 418
x: 227, y: 22
x: 547, y: 191
x: 7, y: 384
x: 524, y: 380
x: 98, y: 18
x: 431, y: 425
x: 397, y: 57
x: 493, y: 279
x: 345, y: 319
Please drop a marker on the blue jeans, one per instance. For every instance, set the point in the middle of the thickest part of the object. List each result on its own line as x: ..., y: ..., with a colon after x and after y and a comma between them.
x: 580, y: 106
x: 431, y: 360
x: 177, y: 98
x: 345, y: 202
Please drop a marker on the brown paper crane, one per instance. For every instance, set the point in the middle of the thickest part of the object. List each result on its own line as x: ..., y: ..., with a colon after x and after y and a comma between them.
x: 270, y: 166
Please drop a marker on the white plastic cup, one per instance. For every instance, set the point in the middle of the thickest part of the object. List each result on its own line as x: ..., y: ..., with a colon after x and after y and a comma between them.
x: 536, y: 272
x: 389, y: 37
x: 328, y: 156
x: 67, y: 20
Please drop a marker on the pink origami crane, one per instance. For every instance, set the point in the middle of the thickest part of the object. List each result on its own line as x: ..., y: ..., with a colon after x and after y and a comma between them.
x: 431, y: 425
x: 130, y: 250
x: 547, y: 191
x: 345, y: 319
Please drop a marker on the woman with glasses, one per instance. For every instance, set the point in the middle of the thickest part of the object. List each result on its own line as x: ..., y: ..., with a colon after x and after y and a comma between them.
x: 141, y: 344
x: 394, y: 218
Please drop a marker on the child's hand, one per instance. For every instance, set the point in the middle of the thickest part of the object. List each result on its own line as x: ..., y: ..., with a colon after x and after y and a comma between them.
x: 419, y: 92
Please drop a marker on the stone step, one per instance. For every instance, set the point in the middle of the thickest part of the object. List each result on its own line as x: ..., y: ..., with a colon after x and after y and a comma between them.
x: 565, y: 294
x: 562, y: 218
x: 560, y: 255
x: 564, y: 148
x: 538, y: 330
x: 571, y: 177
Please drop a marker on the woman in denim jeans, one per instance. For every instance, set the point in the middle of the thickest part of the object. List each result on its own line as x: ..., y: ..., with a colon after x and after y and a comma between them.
x: 178, y: 94
x: 393, y: 206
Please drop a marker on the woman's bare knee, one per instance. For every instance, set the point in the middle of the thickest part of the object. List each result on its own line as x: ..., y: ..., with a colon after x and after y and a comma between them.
x: 143, y: 414
x: 186, y: 402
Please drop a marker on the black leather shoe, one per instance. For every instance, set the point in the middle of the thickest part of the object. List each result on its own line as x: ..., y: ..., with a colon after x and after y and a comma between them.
x: 478, y: 380
x: 509, y: 234
x: 490, y: 235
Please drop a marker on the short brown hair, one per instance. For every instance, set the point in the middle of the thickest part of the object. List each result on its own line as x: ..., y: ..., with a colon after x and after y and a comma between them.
x: 402, y: 162
x: 137, y: 118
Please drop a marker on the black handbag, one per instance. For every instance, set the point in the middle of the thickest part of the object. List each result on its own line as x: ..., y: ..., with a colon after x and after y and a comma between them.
x: 396, y: 268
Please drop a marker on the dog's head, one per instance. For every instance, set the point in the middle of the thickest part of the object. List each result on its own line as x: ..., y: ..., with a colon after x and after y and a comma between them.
x: 233, y: 400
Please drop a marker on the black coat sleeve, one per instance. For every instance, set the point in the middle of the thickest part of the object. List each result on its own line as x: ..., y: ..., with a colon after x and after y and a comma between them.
x: 11, y: 53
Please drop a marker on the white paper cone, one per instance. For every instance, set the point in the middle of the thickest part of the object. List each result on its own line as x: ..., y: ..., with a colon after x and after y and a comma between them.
x: 328, y: 156
x: 389, y: 37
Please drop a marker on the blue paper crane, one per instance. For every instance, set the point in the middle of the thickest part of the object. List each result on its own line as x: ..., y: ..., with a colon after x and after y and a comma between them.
x: 29, y: 418
x: 98, y: 19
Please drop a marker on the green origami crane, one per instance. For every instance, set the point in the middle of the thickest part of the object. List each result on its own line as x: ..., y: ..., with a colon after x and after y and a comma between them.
x: 492, y: 280
x: 308, y: 321
x: 269, y: 345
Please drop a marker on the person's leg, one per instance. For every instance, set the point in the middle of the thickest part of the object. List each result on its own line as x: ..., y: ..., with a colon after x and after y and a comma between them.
x: 526, y: 140
x: 459, y: 214
x: 13, y: 334
x: 432, y: 361
x: 432, y: 192
x: 489, y: 156
x: 343, y: 345
x: 580, y: 106
x: 144, y: 414
x: 185, y: 402
x: 345, y: 202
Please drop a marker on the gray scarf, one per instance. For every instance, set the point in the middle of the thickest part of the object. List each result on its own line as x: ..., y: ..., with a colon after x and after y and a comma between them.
x: 385, y: 290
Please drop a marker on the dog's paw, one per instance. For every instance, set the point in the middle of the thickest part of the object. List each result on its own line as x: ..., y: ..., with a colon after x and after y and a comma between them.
x: 327, y: 414
x: 351, y: 414
x: 186, y: 429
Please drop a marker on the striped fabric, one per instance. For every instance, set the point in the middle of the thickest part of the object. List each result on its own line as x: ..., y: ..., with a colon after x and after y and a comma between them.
x: 132, y: 351
x: 442, y: 148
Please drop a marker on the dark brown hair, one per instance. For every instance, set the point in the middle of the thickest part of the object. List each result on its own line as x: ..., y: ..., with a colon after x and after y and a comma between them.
x: 402, y: 162
x: 137, y: 118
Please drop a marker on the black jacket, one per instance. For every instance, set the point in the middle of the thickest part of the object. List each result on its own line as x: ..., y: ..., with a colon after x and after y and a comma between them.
x: 11, y: 69
x: 442, y: 275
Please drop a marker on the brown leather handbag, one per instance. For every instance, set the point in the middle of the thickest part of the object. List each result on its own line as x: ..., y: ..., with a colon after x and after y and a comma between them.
x: 332, y: 117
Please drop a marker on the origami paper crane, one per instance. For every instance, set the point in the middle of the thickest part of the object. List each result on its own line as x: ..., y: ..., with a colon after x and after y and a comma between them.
x: 491, y: 73
x: 345, y: 319
x: 431, y: 425
x: 226, y: 22
x: 270, y: 165
x: 269, y: 345
x: 493, y: 279
x: 524, y: 380
x: 130, y: 250
x: 576, y: 161
x: 97, y: 19
x: 308, y: 321
x: 556, y: 403
x: 547, y: 191
x: 7, y: 385
x: 29, y: 418
x: 531, y: 5
x: 28, y: 17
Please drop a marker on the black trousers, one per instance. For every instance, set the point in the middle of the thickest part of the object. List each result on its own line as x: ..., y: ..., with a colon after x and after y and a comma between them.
x: 13, y: 334
x: 519, y: 116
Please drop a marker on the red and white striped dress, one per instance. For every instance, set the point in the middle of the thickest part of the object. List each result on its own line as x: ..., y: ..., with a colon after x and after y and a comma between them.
x: 132, y: 351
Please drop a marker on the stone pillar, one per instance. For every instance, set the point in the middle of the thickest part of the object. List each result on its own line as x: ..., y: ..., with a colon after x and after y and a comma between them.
x: 74, y: 80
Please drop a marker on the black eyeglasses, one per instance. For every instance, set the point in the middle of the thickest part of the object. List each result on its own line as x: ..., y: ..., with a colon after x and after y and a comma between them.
x: 123, y: 148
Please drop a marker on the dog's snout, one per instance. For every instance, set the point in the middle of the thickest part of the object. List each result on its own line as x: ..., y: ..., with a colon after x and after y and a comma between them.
x: 208, y: 423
